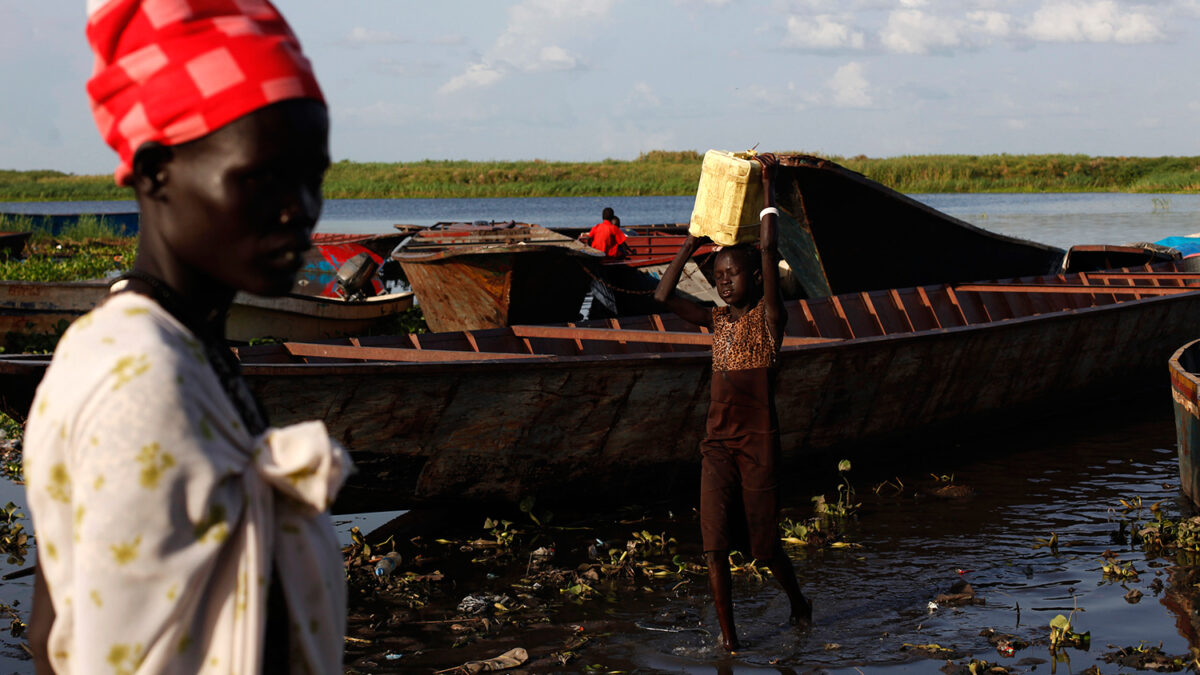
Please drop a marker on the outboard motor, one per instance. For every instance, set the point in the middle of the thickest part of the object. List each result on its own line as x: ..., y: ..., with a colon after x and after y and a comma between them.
x: 354, y: 277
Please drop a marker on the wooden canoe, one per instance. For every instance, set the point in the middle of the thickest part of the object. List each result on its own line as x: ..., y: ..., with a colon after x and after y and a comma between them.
x: 12, y: 244
x: 483, y: 276
x: 568, y: 411
x: 839, y: 232
x: 43, y: 307
x: 842, y: 232
x: 1185, y: 384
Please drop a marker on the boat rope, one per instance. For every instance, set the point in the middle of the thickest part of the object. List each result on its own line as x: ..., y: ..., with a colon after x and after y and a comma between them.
x: 609, y: 286
x: 627, y: 291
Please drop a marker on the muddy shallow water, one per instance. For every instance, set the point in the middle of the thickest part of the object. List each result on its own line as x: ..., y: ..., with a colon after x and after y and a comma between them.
x: 872, y: 600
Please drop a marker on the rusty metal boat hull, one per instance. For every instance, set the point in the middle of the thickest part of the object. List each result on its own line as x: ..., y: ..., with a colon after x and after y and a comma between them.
x: 471, y: 276
x: 481, y: 290
x: 1185, y: 384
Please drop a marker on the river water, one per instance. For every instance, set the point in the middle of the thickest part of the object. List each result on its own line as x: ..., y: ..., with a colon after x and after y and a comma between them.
x: 1057, y: 219
x: 1066, y: 477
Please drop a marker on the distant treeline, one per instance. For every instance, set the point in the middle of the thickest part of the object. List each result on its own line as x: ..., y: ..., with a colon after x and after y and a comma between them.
x: 676, y: 173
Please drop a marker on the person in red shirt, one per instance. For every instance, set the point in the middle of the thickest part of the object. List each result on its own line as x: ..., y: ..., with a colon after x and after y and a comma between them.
x: 607, y: 236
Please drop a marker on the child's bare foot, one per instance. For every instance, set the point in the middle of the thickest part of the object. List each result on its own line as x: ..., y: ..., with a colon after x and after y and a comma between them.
x: 730, y: 644
x: 801, y: 613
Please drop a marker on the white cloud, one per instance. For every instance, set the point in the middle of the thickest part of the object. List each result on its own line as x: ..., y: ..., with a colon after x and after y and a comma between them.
x: 911, y: 31
x: 990, y: 23
x: 823, y: 31
x: 642, y: 96
x: 553, y: 57
x: 1099, y: 21
x: 530, y: 41
x: 360, y: 36
x: 477, y: 75
x: 849, y: 87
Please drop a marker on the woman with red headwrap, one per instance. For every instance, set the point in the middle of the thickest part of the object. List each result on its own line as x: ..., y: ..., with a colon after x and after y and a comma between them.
x: 176, y: 530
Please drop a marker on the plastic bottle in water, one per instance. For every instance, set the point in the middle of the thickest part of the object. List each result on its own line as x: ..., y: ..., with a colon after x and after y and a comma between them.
x: 386, y: 565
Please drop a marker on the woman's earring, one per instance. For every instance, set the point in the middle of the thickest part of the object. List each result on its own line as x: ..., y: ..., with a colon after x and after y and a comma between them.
x: 285, y: 217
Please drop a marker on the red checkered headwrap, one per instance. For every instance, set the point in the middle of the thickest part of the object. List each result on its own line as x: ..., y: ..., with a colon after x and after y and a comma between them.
x: 174, y: 70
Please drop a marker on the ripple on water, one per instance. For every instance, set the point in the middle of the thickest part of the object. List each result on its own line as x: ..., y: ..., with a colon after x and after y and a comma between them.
x: 872, y: 600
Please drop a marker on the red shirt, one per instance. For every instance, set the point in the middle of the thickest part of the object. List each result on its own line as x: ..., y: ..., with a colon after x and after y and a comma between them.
x: 607, y: 237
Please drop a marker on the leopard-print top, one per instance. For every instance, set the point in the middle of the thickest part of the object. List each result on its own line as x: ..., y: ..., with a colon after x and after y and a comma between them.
x: 745, y: 343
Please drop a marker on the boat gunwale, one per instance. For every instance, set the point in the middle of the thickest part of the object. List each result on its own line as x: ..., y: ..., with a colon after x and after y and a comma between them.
x: 786, y: 353
x: 444, y: 253
x: 1179, y: 372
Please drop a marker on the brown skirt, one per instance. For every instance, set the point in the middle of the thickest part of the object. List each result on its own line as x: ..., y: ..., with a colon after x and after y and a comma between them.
x: 738, y: 492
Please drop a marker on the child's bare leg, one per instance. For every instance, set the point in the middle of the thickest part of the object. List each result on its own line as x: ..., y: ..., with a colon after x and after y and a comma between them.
x: 781, y: 567
x: 720, y: 580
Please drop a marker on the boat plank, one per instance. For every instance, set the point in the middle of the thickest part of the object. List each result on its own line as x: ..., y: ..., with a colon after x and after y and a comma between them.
x: 1017, y: 290
x: 327, y: 351
x: 948, y: 313
x: 827, y: 319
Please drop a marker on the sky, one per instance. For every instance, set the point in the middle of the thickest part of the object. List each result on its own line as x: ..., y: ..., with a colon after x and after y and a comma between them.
x: 585, y: 80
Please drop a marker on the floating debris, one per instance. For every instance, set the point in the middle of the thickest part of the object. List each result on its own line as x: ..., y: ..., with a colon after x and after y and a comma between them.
x: 509, y: 659
x: 1145, y: 657
x: 1063, y: 635
x: 1006, y: 644
x: 933, y: 651
x: 961, y: 593
x: 481, y: 603
x: 387, y: 564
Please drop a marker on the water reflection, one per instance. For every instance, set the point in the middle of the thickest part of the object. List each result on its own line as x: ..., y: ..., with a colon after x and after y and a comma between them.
x: 873, y: 600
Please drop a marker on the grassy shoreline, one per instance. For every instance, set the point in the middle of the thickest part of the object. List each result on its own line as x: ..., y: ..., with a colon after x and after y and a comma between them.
x: 676, y: 173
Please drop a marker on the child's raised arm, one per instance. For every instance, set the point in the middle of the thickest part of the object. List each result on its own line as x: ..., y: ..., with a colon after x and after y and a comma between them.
x: 665, y: 292
x: 769, y: 243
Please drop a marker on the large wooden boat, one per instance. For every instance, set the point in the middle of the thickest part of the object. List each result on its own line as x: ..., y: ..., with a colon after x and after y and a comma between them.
x: 839, y: 232
x: 479, y: 276
x: 599, y: 409
x: 1185, y: 385
x: 842, y: 232
x: 312, y: 311
x: 47, y: 307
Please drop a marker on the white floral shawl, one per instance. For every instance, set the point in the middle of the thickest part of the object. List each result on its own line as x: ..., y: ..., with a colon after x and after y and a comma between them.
x: 158, y: 516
